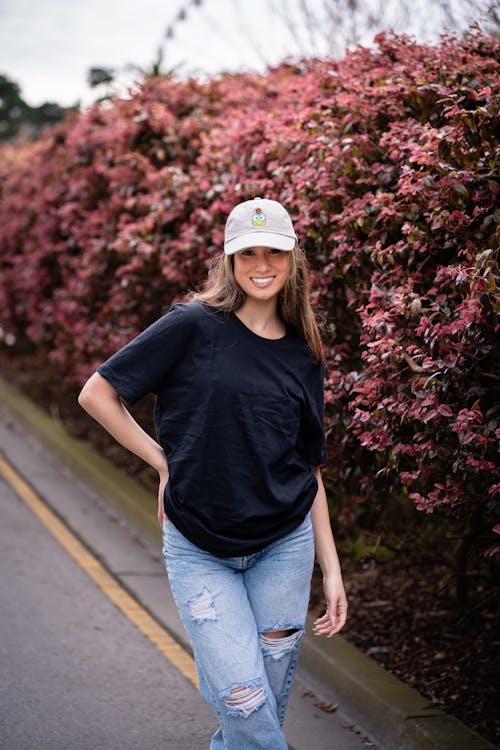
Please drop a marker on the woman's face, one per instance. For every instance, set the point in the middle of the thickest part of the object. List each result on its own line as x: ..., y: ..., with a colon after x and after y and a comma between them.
x: 261, y: 272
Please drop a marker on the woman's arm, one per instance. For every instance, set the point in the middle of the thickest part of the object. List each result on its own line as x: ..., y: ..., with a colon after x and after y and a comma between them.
x: 103, y: 403
x: 334, y: 618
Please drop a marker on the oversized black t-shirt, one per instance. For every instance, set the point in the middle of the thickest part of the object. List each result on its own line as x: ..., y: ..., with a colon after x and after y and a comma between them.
x: 240, y: 418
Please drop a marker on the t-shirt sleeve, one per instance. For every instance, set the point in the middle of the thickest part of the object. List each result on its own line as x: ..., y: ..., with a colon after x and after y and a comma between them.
x: 144, y: 363
x: 312, y: 440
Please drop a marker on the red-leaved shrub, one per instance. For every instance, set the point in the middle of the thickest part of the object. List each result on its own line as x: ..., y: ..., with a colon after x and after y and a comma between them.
x: 386, y: 160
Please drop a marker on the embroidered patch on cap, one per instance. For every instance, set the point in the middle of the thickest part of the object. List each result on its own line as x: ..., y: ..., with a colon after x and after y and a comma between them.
x: 259, y: 218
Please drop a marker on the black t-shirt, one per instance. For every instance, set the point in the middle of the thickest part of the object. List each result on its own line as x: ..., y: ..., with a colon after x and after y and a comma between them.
x: 240, y: 418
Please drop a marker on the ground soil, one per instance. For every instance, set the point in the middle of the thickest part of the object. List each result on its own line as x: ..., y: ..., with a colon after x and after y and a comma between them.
x: 400, y: 611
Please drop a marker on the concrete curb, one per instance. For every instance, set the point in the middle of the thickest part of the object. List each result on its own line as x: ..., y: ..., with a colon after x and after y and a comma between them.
x: 395, y: 715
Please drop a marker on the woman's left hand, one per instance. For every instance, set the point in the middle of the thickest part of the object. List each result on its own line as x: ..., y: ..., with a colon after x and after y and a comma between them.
x: 336, y: 608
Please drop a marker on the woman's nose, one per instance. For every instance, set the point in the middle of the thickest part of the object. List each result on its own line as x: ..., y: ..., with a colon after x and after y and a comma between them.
x: 263, y: 262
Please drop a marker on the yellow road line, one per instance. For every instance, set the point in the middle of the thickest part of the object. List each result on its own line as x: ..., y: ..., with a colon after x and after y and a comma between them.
x: 109, y: 585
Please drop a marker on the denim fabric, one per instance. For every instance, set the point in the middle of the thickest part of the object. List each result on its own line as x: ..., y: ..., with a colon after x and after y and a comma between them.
x: 227, y: 604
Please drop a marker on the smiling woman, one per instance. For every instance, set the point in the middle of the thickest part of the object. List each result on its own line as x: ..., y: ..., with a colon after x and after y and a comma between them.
x: 238, y: 375
x: 259, y: 237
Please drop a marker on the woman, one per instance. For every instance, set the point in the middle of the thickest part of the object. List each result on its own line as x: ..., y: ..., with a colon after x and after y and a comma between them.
x: 238, y: 375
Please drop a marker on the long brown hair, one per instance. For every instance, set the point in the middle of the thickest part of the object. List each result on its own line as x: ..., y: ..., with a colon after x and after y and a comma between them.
x: 222, y: 292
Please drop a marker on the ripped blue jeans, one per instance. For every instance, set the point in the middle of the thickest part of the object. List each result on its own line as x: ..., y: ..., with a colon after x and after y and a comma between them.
x: 229, y: 605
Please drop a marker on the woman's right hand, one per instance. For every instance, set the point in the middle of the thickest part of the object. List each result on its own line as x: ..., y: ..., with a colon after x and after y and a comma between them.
x: 161, y: 492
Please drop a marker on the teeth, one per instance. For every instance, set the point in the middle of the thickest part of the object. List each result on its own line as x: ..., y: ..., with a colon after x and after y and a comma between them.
x: 262, y: 281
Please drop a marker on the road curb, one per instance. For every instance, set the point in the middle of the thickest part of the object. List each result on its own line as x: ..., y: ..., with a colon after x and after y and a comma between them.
x: 395, y: 715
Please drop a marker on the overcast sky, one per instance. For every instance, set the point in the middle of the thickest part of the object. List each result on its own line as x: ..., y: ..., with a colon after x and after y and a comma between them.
x: 47, y: 46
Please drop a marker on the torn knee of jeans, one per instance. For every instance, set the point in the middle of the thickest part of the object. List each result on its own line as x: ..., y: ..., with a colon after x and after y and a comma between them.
x: 202, y: 606
x: 243, y: 698
x: 276, y: 648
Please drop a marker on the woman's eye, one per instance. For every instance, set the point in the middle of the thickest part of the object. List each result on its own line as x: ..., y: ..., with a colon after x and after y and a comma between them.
x: 271, y: 251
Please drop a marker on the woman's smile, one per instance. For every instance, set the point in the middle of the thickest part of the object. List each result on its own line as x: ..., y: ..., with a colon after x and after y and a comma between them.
x: 262, y: 281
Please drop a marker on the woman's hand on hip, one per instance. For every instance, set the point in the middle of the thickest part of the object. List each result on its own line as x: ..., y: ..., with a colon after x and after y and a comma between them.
x: 161, y: 492
x: 336, y: 608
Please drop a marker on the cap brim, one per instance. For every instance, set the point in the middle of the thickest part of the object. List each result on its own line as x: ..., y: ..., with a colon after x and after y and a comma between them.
x: 259, y: 239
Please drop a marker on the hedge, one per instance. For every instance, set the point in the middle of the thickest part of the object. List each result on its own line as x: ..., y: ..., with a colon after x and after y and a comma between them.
x: 386, y: 161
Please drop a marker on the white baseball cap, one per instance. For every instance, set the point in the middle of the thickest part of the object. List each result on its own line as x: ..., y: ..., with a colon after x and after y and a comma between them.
x: 259, y: 222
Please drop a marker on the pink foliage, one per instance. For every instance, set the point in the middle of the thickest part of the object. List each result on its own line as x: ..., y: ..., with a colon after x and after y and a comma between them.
x: 386, y: 161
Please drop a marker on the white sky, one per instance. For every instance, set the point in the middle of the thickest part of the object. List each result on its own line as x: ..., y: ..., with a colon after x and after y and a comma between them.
x: 47, y: 46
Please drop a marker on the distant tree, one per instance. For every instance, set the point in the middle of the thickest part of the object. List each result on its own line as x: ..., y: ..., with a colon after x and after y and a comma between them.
x: 18, y: 118
x: 13, y: 109
x: 97, y: 76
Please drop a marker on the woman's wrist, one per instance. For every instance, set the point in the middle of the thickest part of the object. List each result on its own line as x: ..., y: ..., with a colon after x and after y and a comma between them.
x: 331, y: 572
x: 159, y: 460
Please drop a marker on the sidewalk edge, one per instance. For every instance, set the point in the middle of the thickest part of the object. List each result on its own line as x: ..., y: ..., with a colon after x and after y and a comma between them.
x: 395, y: 715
